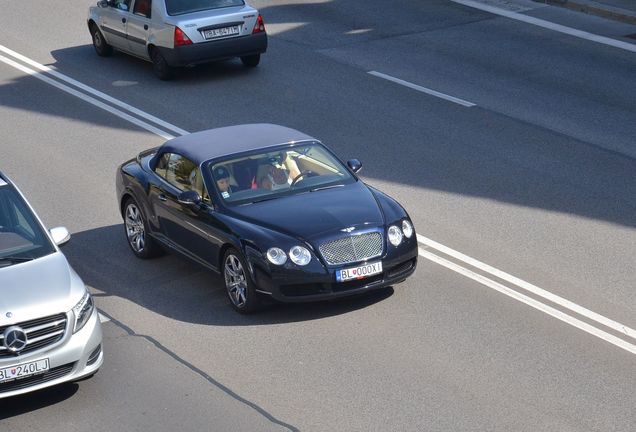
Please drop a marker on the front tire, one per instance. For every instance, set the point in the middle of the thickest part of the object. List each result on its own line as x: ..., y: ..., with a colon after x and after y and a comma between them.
x: 160, y: 66
x: 102, y: 48
x: 238, y: 284
x: 251, y: 61
x: 136, y: 229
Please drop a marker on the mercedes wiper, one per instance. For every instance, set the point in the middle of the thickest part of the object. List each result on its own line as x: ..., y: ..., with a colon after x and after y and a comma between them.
x: 13, y: 259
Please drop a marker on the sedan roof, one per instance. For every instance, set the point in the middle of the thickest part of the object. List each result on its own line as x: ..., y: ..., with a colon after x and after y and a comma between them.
x: 225, y: 141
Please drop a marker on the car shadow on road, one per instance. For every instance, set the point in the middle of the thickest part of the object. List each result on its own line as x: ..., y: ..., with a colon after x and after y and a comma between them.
x: 176, y: 288
x: 23, y: 404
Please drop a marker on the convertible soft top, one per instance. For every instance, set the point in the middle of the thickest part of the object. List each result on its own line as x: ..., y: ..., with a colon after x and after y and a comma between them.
x: 215, y: 143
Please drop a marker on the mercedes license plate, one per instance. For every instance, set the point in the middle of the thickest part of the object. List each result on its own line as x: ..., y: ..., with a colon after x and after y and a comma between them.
x: 221, y: 32
x: 24, y: 370
x: 359, y: 272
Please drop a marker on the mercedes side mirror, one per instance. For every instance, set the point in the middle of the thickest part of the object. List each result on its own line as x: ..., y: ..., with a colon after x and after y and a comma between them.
x: 189, y: 198
x: 355, y: 165
x: 60, y: 235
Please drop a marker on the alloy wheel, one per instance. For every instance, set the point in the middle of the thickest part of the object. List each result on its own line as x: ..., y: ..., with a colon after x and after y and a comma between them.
x: 135, y: 229
x: 235, y: 281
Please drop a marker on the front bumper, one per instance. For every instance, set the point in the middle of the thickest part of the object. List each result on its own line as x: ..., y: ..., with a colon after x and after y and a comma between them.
x: 306, y: 286
x: 205, y: 52
x: 78, y: 356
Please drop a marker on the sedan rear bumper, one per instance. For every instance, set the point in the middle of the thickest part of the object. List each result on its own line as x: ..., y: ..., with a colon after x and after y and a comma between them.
x: 205, y: 52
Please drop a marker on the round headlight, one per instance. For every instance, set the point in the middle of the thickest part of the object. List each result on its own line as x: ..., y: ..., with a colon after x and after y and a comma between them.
x: 407, y: 228
x: 300, y: 255
x: 395, y: 235
x: 276, y: 256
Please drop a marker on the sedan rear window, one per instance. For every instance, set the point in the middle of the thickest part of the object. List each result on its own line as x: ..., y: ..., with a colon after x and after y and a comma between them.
x: 180, y: 7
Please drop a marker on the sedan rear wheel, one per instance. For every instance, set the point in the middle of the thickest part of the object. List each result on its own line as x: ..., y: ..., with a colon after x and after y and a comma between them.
x: 251, y: 61
x: 238, y: 284
x: 139, y: 241
x: 160, y: 66
x: 102, y: 48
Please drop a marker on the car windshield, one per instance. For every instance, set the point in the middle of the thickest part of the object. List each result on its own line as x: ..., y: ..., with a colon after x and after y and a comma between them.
x: 281, y: 171
x: 180, y: 7
x: 21, y: 236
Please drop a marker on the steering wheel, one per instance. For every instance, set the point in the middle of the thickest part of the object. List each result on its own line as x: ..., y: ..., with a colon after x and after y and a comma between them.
x: 302, y: 174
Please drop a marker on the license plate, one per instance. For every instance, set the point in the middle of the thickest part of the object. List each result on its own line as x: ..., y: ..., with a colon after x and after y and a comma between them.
x: 360, y: 272
x: 24, y: 370
x: 220, y: 32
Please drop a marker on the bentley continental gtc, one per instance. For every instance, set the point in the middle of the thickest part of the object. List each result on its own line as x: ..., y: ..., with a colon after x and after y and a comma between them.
x: 49, y: 327
x: 271, y: 209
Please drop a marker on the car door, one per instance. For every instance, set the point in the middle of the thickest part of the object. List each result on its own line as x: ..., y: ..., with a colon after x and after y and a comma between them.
x: 138, y: 27
x: 193, y: 229
x: 113, y: 22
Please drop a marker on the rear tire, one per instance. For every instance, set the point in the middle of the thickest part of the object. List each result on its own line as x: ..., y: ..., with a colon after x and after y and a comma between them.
x: 136, y: 229
x: 102, y: 48
x: 238, y: 283
x: 251, y: 61
x: 160, y: 66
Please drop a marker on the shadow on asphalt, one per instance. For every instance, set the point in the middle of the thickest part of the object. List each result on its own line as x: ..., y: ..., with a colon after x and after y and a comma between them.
x: 176, y: 288
x: 23, y: 404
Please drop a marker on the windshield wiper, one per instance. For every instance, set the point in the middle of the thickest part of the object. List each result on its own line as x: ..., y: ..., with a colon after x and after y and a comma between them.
x: 15, y: 259
x: 326, y: 187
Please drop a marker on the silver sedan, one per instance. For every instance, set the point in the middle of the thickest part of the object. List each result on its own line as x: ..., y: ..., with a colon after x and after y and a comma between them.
x: 174, y: 33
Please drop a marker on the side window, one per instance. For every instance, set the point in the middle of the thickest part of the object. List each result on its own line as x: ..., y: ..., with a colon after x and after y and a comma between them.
x: 162, y: 165
x: 120, y: 4
x: 180, y: 172
x: 196, y: 180
x: 142, y: 8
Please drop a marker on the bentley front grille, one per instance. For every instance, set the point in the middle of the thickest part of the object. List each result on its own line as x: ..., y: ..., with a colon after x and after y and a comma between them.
x: 350, y: 249
x: 40, y: 333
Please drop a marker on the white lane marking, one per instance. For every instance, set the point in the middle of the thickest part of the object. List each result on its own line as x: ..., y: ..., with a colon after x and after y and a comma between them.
x: 103, y: 318
x: 94, y: 92
x: 529, y: 287
x: 549, y: 25
x: 39, y: 75
x: 531, y: 302
x: 422, y: 89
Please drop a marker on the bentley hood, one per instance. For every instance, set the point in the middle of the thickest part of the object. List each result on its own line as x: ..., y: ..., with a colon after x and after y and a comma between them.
x: 311, y: 214
x: 38, y: 288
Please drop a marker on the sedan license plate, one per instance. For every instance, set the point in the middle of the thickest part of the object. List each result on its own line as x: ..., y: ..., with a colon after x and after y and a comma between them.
x: 360, y: 272
x: 221, y: 32
x: 24, y: 370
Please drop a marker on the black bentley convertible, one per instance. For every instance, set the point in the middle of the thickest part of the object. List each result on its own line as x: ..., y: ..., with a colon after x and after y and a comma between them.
x: 272, y: 209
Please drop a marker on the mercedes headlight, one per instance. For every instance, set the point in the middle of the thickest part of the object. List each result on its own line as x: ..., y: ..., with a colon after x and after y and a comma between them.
x: 276, y: 256
x: 394, y: 235
x: 82, y: 311
x: 300, y: 255
x: 407, y: 228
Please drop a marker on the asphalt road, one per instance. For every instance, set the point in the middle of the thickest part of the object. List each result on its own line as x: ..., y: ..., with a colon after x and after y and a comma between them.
x: 537, y: 180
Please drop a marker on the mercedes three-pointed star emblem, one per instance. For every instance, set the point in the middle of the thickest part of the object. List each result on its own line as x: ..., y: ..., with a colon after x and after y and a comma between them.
x: 15, y: 339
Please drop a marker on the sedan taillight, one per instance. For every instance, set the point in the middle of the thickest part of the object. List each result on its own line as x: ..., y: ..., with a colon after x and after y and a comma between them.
x: 180, y: 38
x: 260, y: 25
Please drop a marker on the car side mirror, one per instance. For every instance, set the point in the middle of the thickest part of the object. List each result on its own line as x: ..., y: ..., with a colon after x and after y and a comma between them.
x: 355, y: 165
x: 189, y: 198
x: 60, y: 235
x: 102, y: 3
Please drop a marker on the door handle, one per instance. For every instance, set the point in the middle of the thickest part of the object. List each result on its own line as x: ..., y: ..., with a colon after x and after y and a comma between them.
x: 145, y: 26
x: 123, y: 20
x: 162, y: 197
